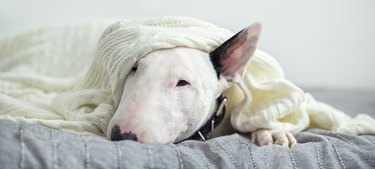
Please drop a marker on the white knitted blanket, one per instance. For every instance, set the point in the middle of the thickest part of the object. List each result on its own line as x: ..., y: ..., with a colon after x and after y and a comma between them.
x: 62, y: 78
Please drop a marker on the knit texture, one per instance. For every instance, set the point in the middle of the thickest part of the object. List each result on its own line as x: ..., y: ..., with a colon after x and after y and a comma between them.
x: 62, y: 78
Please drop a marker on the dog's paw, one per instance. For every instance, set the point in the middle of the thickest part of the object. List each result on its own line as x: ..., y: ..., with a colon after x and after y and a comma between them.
x: 264, y: 137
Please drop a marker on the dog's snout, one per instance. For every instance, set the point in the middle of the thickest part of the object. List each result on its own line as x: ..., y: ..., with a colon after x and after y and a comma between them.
x: 117, y: 136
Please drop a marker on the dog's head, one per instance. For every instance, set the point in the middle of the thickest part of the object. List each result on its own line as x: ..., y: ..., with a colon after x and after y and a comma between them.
x: 171, y: 93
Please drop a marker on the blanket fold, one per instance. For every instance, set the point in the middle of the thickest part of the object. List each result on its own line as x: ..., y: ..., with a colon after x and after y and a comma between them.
x: 72, y: 77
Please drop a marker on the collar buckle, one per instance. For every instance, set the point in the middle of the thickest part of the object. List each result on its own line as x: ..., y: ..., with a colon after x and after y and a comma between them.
x: 213, y: 122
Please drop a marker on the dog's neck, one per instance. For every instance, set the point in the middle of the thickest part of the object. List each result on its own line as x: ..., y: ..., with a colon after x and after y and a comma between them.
x: 218, y: 112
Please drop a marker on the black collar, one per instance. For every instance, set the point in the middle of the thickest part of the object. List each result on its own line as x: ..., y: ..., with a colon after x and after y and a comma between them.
x: 213, y: 122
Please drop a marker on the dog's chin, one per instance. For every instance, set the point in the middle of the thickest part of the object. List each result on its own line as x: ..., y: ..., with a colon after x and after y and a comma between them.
x: 158, y: 133
x: 153, y: 139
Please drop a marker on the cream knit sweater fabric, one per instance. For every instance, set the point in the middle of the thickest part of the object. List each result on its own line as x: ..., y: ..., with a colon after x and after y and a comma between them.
x: 64, y: 78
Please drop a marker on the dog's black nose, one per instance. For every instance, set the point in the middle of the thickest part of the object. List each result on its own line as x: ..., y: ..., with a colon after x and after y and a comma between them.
x: 117, y: 136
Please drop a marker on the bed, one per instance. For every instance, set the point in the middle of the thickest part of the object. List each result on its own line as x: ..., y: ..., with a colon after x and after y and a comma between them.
x: 34, y: 146
x: 24, y: 145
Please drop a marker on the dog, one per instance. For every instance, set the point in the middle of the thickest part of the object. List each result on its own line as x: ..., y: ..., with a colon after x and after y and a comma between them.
x: 175, y: 94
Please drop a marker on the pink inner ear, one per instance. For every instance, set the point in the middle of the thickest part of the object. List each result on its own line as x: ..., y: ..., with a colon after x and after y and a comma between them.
x: 233, y: 63
x: 240, y: 52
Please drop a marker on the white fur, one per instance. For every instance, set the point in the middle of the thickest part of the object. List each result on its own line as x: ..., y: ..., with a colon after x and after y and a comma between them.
x: 157, y: 110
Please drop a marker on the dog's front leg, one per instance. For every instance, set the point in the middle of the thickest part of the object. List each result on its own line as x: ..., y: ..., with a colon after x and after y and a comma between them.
x: 264, y: 137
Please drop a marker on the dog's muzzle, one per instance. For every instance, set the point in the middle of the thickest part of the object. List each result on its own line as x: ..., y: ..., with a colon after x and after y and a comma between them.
x: 201, y: 134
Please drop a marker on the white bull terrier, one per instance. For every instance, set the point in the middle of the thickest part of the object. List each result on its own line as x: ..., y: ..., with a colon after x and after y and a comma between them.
x: 175, y: 94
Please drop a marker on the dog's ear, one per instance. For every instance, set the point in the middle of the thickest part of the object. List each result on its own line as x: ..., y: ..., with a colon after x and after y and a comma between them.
x: 230, y: 59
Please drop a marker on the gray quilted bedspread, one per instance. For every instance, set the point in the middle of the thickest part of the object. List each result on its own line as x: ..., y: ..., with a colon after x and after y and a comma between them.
x: 32, y: 146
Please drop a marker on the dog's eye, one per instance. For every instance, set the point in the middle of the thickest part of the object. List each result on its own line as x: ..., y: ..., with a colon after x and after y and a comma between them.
x: 134, y: 68
x: 181, y: 83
